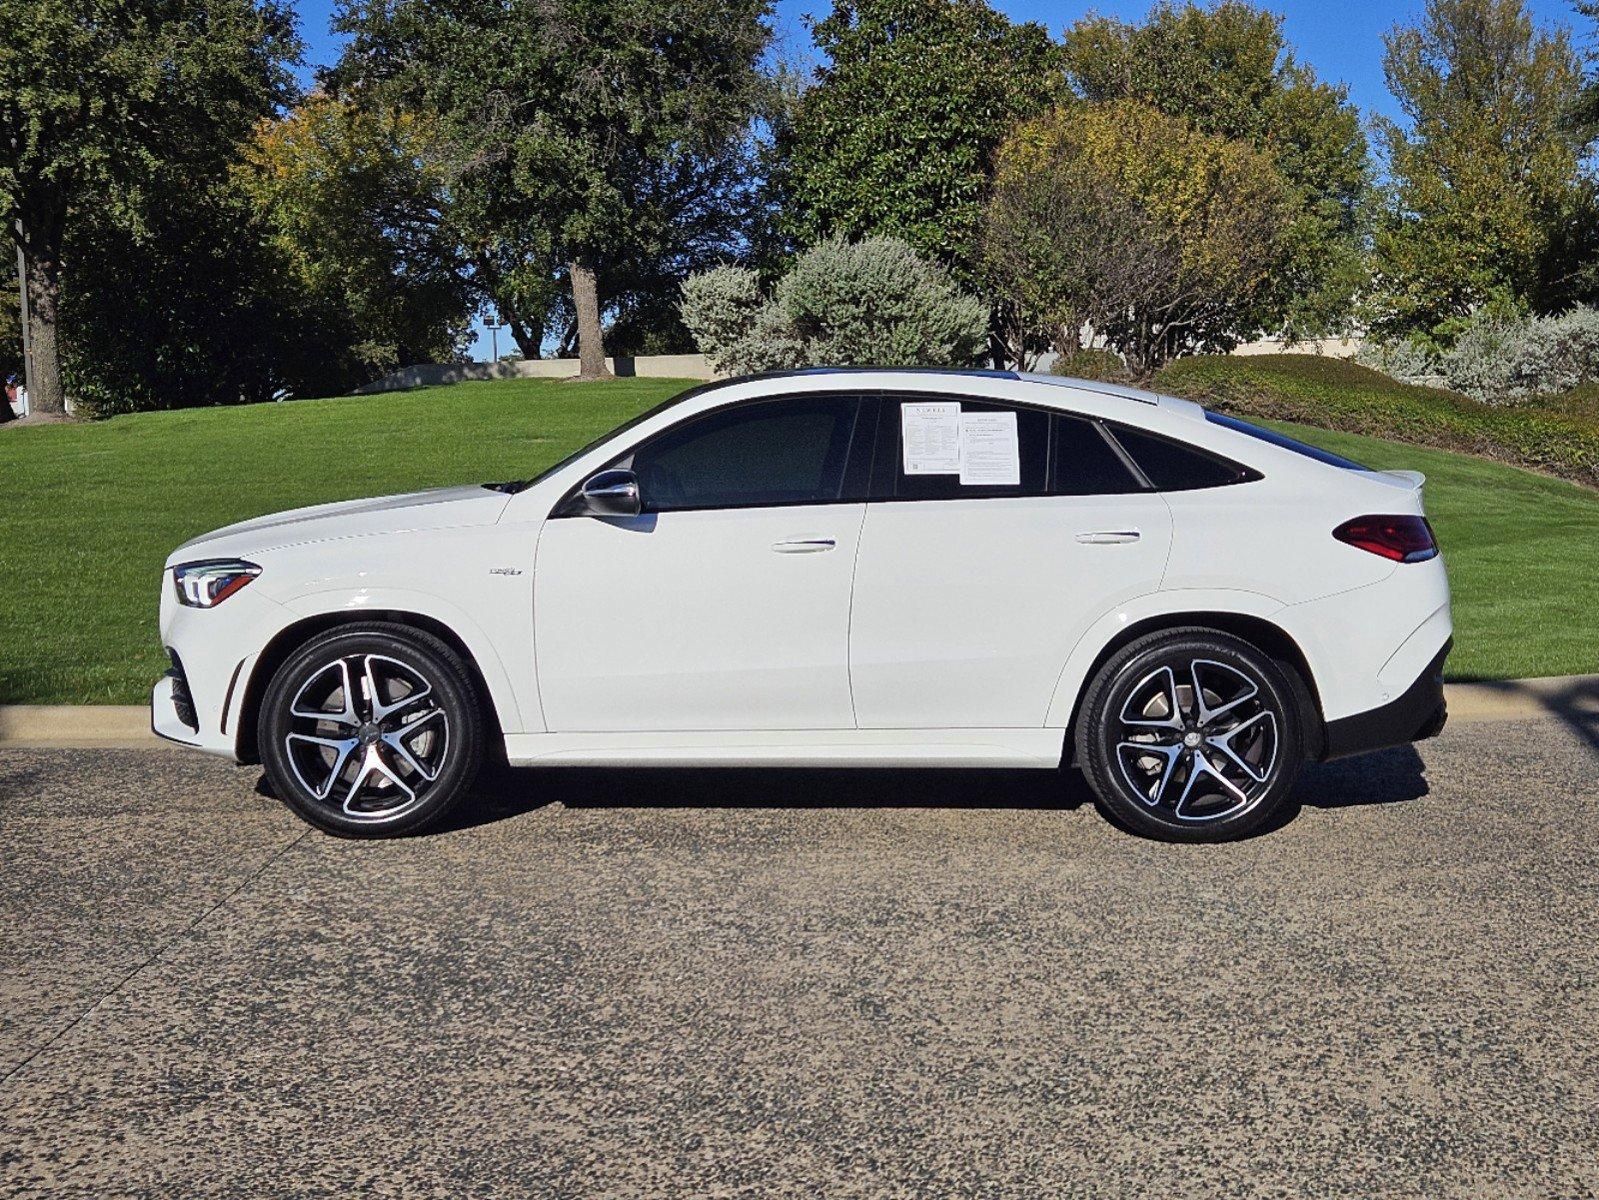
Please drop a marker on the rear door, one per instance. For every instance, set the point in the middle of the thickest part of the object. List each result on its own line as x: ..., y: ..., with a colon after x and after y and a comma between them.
x: 973, y: 584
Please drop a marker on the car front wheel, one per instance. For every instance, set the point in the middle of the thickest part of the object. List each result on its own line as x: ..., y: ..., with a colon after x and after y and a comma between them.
x: 371, y: 730
x: 1191, y: 735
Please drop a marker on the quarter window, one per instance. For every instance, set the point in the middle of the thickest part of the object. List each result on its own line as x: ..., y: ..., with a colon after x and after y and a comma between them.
x: 1174, y: 467
x: 788, y: 451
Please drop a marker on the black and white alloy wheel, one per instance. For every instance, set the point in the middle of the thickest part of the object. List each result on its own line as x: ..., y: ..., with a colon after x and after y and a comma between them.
x: 1191, y: 735
x: 371, y: 730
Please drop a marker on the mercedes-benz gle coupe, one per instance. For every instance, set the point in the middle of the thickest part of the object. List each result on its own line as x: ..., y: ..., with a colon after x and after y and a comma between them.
x: 833, y: 568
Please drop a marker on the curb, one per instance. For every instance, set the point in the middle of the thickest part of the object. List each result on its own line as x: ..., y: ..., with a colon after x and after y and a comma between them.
x: 1569, y: 697
x: 78, y: 726
x: 127, y: 727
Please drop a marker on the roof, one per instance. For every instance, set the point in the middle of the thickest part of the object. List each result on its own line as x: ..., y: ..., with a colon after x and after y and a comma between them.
x: 1137, y: 395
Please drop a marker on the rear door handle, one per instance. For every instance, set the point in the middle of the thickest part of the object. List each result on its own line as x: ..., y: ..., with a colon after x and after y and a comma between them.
x: 803, y: 545
x: 1108, y: 537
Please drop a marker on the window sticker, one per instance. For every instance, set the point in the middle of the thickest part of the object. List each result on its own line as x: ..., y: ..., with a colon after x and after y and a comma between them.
x: 990, y: 453
x: 931, y: 437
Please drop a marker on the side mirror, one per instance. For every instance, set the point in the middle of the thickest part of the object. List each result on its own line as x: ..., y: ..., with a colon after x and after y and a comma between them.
x: 612, y: 493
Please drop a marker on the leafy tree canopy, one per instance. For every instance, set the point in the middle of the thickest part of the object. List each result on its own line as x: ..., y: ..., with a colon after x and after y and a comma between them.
x: 352, y: 204
x: 102, y: 101
x: 549, y: 111
x: 895, y: 136
x: 1488, y: 202
x: 1159, y: 236
x: 1229, y: 72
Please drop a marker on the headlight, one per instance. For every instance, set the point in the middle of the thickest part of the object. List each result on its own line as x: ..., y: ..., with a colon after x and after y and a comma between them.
x: 207, y: 584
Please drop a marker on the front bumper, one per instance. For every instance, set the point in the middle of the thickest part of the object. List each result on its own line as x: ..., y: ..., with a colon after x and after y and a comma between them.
x: 1416, y: 715
x: 213, y: 651
x: 166, y: 719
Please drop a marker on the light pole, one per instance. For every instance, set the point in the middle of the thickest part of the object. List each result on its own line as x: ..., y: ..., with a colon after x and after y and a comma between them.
x: 493, y: 324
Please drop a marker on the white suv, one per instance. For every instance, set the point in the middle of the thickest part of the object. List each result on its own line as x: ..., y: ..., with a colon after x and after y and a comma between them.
x: 833, y: 568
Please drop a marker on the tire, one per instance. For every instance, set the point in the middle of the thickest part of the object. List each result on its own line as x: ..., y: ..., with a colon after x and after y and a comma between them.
x: 363, y: 770
x: 1213, y: 770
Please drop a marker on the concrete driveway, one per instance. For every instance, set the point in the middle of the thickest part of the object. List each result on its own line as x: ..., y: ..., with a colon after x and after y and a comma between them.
x: 804, y: 984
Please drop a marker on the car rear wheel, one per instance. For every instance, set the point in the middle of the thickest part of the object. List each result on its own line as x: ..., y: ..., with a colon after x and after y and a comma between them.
x: 1191, y: 735
x: 371, y: 731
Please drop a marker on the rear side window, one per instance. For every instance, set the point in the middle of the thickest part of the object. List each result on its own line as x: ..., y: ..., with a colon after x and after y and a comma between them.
x: 1084, y: 463
x: 898, y: 477
x: 1175, y: 467
x: 1284, y: 441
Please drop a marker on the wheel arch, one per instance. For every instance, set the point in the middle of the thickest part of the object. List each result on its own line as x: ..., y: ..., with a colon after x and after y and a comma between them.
x: 298, y: 633
x: 1260, y: 632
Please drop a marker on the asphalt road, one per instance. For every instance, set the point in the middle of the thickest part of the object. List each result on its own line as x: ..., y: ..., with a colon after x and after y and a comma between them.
x: 804, y: 984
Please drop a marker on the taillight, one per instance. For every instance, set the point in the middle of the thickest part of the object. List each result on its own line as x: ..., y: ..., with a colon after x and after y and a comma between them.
x: 1403, y: 539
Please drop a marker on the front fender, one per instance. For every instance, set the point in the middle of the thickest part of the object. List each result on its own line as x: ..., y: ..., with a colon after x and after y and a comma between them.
x: 516, y: 706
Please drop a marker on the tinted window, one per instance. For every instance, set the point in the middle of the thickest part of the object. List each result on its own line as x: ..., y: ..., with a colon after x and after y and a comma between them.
x: 1174, y: 467
x: 790, y: 451
x: 1085, y: 463
x: 890, y: 482
x: 1283, y: 440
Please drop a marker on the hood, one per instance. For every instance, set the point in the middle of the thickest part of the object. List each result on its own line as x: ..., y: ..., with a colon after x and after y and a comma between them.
x: 438, y: 508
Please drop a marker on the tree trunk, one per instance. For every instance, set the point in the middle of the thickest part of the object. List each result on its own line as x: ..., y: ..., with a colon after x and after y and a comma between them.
x: 590, y: 338
x: 41, y: 243
x: 529, y: 336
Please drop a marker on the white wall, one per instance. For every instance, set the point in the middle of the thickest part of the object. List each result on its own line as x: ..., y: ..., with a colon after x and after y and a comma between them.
x: 653, y: 366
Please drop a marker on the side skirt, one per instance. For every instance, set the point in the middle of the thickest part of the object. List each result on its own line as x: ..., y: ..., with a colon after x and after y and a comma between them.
x: 1037, y: 748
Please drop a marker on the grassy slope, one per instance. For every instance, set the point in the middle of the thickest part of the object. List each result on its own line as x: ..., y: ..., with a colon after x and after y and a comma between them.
x: 1559, y: 435
x: 93, y: 510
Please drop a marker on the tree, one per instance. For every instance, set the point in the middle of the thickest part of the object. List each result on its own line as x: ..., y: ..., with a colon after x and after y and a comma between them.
x: 96, y: 96
x: 547, y: 110
x: 1588, y: 102
x: 896, y: 135
x: 1228, y: 71
x: 1488, y: 202
x: 1160, y: 237
x: 351, y: 205
x: 687, y: 212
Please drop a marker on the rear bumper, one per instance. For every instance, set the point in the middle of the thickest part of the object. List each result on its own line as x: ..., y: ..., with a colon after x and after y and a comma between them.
x: 1416, y: 715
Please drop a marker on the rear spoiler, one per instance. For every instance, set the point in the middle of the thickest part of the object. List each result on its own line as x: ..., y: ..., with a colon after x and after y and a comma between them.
x: 1411, y: 481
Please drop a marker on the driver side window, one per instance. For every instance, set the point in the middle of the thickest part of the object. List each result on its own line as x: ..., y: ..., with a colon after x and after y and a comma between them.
x: 772, y: 452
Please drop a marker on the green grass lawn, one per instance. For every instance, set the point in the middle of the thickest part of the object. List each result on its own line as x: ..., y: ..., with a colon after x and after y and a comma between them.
x: 93, y: 510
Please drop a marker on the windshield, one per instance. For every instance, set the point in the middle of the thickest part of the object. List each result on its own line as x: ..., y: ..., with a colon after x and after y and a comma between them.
x: 1283, y: 440
x: 517, y: 485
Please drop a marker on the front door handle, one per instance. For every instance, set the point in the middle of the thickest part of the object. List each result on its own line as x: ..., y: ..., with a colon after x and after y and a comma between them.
x: 1108, y: 537
x: 803, y: 545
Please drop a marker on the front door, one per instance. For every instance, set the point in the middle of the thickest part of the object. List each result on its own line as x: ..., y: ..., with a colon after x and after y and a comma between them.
x: 979, y: 570
x: 725, y: 603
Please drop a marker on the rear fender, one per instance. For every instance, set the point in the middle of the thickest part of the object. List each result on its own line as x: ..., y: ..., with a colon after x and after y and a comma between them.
x: 1166, y: 606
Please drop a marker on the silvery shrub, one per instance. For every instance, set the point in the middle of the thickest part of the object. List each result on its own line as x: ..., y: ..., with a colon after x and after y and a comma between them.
x: 1499, y: 357
x: 1405, y: 361
x: 868, y: 303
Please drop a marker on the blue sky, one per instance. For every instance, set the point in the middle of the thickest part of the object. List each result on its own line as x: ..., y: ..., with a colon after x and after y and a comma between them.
x: 1341, y: 40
